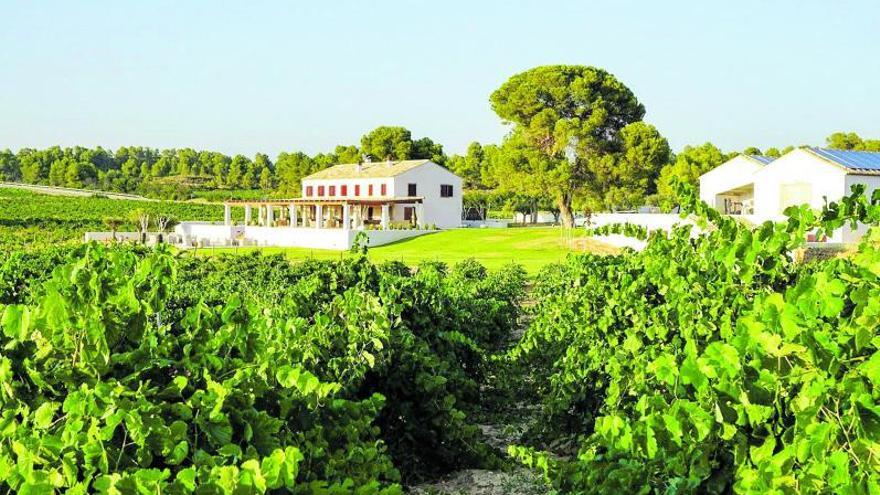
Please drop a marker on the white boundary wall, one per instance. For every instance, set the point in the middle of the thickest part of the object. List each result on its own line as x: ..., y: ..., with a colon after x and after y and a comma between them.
x: 665, y: 222
x: 650, y: 221
x: 492, y: 223
x: 108, y: 236
x: 208, y: 234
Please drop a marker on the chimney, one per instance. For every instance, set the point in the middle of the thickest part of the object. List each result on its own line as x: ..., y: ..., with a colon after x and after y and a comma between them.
x: 388, y: 162
x: 358, y: 168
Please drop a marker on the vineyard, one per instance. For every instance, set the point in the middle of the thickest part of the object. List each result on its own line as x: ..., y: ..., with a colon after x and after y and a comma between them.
x: 709, y: 364
x: 30, y: 220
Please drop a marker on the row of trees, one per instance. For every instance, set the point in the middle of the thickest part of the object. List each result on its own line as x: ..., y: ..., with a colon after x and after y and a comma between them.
x: 131, y: 169
x: 577, y: 142
x: 166, y: 172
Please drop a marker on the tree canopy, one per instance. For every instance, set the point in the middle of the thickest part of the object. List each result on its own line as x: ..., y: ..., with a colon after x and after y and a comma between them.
x: 566, y: 122
x: 396, y: 143
x: 687, y: 168
x: 852, y: 141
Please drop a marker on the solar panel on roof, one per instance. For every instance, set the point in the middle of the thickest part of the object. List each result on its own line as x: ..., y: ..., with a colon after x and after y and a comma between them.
x: 853, y: 160
x: 761, y: 158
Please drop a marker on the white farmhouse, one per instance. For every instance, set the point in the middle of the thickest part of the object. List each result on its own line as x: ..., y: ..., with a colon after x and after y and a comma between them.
x: 413, y: 191
x: 763, y: 189
x: 386, y: 201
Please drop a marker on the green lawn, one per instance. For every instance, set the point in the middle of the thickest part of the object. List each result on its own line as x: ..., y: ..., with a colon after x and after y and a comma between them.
x: 530, y: 247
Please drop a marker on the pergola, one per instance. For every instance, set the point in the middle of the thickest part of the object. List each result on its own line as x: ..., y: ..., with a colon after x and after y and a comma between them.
x: 343, y: 213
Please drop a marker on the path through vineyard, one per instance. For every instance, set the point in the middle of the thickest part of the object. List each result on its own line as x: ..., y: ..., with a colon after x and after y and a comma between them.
x: 501, y: 428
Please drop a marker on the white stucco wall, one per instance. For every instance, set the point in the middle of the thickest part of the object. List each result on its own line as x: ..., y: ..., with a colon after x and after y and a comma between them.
x: 736, y: 172
x: 305, y: 237
x: 380, y: 237
x: 207, y: 233
x: 797, y: 167
x: 445, y: 213
x: 109, y: 236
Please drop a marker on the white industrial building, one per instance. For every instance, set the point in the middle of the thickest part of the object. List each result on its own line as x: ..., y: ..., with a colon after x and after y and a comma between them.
x: 387, y: 201
x: 761, y: 189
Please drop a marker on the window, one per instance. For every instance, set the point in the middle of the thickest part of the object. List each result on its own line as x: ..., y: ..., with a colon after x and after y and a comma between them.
x: 357, y: 189
x: 370, y: 190
x: 408, y: 213
x: 343, y: 190
x: 383, y: 190
x: 445, y: 191
x: 309, y: 191
x: 320, y: 190
x: 332, y: 190
x: 411, y: 190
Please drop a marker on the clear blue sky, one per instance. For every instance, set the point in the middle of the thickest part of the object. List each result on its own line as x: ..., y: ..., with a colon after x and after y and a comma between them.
x: 272, y: 76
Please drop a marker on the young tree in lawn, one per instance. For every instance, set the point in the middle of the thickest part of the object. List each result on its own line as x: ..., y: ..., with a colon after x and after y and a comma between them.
x: 477, y: 203
x: 141, y: 219
x: 571, y: 116
x: 164, y: 223
x: 113, y: 223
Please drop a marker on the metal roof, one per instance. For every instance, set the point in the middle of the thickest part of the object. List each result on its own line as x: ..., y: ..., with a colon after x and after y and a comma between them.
x: 761, y: 158
x: 857, y: 161
x: 367, y: 170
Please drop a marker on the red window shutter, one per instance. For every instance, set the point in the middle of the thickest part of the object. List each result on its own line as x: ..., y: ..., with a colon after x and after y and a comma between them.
x: 384, y: 190
x: 320, y: 190
x: 357, y: 189
x: 343, y: 190
x: 308, y: 190
x: 332, y: 190
x: 370, y: 190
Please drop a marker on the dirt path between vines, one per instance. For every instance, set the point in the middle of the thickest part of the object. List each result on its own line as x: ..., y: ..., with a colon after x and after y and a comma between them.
x: 500, y: 431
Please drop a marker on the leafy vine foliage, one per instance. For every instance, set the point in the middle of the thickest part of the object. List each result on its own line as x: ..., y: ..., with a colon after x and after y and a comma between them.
x: 133, y: 371
x: 712, y: 363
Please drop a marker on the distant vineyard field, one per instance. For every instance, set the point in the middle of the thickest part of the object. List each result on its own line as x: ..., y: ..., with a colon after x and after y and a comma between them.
x: 29, y: 219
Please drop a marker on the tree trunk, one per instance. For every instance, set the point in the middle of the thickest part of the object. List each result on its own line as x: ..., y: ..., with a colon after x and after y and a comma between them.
x: 565, y: 213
